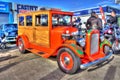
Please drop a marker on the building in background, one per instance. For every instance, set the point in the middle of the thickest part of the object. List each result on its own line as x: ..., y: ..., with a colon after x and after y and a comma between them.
x: 84, y: 14
x: 22, y: 8
x: 6, y: 15
x: 9, y: 11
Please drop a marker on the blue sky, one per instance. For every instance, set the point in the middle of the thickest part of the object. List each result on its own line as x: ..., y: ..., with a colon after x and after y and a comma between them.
x: 69, y: 5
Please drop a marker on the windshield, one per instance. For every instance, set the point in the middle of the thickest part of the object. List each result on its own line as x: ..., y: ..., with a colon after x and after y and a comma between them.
x: 61, y: 20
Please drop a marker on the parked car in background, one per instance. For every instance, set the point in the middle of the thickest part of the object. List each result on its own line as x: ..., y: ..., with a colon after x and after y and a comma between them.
x: 10, y: 31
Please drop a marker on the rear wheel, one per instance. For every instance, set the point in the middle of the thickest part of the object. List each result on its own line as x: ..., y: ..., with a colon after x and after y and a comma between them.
x: 68, y: 62
x: 21, y: 46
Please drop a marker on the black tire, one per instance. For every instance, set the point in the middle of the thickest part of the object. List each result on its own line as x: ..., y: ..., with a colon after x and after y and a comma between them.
x: 21, y: 46
x: 3, y: 46
x: 76, y: 61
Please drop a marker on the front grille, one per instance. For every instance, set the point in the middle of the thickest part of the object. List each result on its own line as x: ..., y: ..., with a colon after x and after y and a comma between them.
x: 94, y: 43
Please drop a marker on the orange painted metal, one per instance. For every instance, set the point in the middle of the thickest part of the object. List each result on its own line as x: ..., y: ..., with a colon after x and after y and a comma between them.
x: 88, y: 57
x: 56, y: 38
x: 73, y: 49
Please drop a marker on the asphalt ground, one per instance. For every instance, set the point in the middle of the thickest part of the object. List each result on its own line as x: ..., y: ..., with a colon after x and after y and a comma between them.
x: 16, y: 66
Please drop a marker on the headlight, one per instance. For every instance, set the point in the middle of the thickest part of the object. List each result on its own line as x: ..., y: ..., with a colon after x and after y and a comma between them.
x: 81, y: 42
x: 102, y: 38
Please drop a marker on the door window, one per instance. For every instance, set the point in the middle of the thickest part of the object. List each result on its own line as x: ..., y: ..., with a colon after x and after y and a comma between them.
x: 41, y: 20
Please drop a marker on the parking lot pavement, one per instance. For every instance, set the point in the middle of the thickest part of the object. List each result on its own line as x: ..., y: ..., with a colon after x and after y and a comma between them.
x: 16, y: 66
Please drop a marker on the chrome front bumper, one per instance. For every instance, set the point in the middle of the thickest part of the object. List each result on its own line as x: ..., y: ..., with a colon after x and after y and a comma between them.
x: 84, y: 66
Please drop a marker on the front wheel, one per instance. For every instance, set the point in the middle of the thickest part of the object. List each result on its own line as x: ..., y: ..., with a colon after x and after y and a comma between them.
x: 67, y: 61
x: 21, y: 46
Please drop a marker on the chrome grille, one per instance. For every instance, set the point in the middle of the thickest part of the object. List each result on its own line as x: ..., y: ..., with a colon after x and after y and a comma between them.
x: 94, y: 43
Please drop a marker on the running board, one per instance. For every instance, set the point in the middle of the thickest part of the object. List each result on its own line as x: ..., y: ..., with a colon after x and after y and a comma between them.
x: 39, y: 53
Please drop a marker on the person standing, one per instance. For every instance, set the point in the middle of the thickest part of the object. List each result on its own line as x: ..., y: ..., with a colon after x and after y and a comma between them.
x: 99, y: 20
x: 113, y: 20
x: 94, y: 22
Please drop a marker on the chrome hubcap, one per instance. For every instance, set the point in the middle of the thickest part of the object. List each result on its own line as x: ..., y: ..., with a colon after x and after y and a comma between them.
x: 66, y: 60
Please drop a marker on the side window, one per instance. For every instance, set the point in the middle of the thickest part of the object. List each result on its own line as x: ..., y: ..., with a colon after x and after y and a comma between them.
x: 21, y: 21
x: 41, y: 20
x: 28, y: 20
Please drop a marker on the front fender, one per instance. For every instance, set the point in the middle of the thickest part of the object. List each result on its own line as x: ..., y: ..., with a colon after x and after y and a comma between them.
x: 76, y: 49
x: 105, y: 42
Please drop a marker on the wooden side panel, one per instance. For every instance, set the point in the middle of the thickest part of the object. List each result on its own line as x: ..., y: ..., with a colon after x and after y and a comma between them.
x: 42, y: 37
x: 29, y: 33
x: 42, y: 33
x: 26, y: 30
x: 21, y: 29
